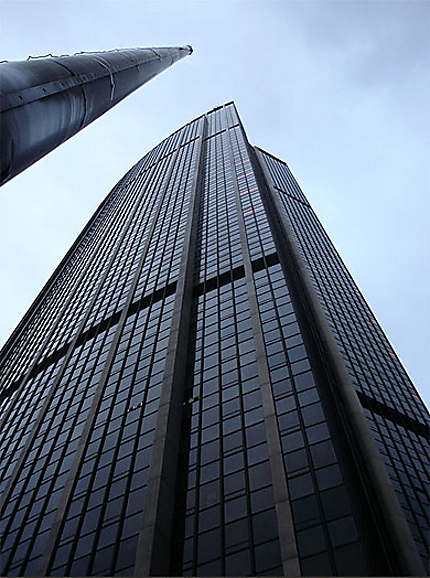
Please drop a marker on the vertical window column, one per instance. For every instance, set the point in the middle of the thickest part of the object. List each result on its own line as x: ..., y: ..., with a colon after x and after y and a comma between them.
x: 289, y: 553
x: 154, y: 544
x: 109, y: 368
x: 397, y: 546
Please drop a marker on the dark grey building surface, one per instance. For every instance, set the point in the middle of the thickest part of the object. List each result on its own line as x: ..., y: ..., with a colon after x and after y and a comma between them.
x: 201, y: 388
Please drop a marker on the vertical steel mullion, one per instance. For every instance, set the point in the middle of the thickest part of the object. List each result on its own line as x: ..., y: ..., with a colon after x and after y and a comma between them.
x: 396, y: 539
x: 61, y: 509
x: 287, y: 539
x: 154, y: 543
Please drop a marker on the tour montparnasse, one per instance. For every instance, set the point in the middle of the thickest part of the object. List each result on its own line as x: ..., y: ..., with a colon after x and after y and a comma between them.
x: 201, y: 389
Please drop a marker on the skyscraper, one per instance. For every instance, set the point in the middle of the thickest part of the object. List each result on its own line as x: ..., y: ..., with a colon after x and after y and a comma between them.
x: 201, y: 389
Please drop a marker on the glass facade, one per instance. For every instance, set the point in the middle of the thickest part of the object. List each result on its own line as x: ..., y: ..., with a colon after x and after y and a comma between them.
x: 169, y: 406
x: 397, y: 417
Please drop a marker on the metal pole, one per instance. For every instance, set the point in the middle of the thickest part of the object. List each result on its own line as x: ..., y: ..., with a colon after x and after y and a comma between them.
x: 44, y: 101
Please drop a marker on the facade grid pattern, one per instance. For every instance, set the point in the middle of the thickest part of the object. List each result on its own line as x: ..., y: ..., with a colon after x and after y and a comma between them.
x: 402, y: 435
x: 167, y: 404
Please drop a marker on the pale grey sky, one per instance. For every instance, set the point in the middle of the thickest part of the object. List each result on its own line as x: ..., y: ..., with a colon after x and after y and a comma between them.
x: 339, y: 90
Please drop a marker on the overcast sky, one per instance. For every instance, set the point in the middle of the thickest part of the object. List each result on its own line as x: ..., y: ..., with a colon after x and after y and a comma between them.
x: 339, y: 90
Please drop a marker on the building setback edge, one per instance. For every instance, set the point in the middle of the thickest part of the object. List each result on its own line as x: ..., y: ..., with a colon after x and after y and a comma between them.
x: 396, y: 533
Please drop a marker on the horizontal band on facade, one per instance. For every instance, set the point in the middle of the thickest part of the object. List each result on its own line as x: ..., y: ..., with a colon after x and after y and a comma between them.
x: 292, y: 196
x: 96, y: 329
x: 394, y: 415
x: 235, y: 274
x: 158, y: 295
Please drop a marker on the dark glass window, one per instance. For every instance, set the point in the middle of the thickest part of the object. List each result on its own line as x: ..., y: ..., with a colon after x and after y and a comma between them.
x: 301, y: 486
x: 238, y: 564
x: 209, y: 546
x: 342, y: 531
x: 267, y: 556
x: 335, y: 502
x: 264, y: 526
x: 259, y: 475
x: 311, y: 541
